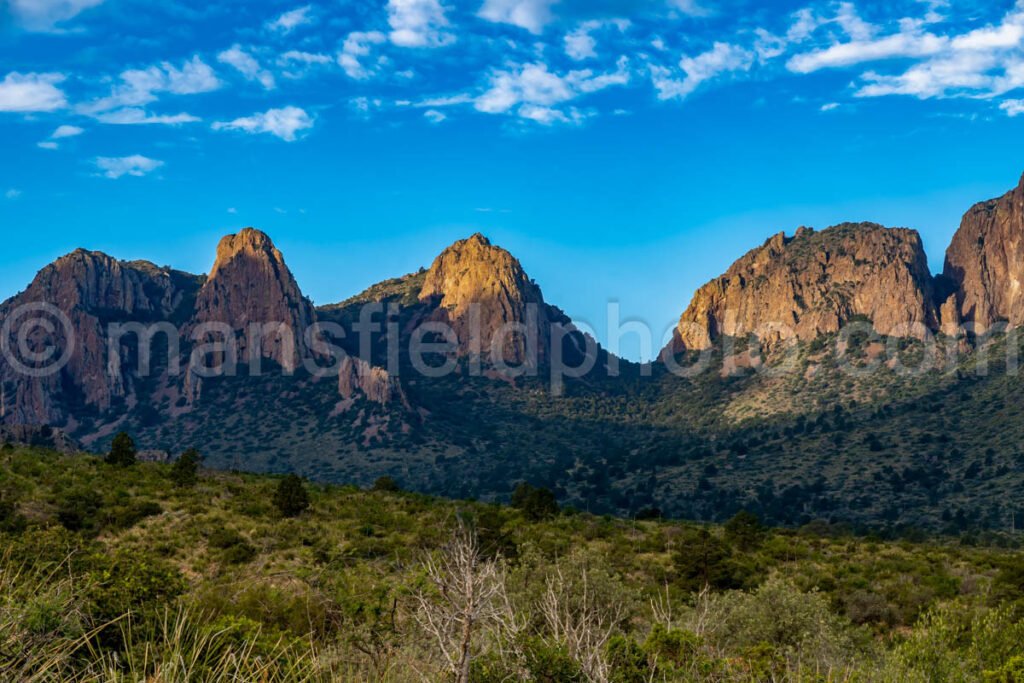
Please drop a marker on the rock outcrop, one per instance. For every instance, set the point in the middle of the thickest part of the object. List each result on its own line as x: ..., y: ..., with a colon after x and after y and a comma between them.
x: 251, y: 285
x: 40, y: 436
x: 72, y: 301
x: 985, y: 261
x: 496, y: 311
x: 357, y: 377
x: 813, y: 283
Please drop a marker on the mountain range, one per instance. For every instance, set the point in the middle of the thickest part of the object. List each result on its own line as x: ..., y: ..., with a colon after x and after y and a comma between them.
x: 826, y: 375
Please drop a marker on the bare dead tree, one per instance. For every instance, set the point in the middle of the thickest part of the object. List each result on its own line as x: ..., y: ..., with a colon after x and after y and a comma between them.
x: 466, y: 593
x: 581, y: 620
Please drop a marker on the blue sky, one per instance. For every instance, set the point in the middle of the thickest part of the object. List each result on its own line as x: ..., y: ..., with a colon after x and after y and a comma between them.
x: 624, y: 150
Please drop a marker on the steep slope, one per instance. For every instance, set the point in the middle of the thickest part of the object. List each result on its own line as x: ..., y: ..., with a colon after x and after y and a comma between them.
x: 985, y: 262
x: 496, y: 311
x: 813, y: 283
x: 73, y: 300
x: 251, y: 285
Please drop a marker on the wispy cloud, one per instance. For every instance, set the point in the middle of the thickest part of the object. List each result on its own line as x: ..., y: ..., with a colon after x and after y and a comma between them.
x: 357, y: 46
x: 27, y: 93
x: 289, y: 21
x: 66, y: 131
x: 418, y: 23
x: 580, y: 43
x: 131, y: 116
x: 247, y: 65
x: 435, y: 116
x: 134, y: 165
x: 534, y: 92
x: 284, y: 123
x: 62, y: 132
x: 1012, y: 107
x: 532, y: 15
x: 45, y: 15
x: 12, y: 194
x: 140, y: 87
x: 722, y: 58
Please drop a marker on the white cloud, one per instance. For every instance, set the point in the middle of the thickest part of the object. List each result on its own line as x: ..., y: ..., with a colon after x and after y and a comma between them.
x: 25, y: 93
x: 66, y: 132
x: 139, y: 116
x: 852, y: 24
x: 44, y: 15
x: 546, y: 116
x: 580, y: 44
x: 364, y: 104
x: 232, y: 210
x: 135, y: 165
x: 721, y: 59
x: 305, y: 57
x: 691, y: 7
x: 284, y: 123
x: 984, y: 62
x: 141, y: 86
x: 446, y: 101
x: 12, y: 194
x: 418, y: 23
x: 358, y: 45
x: 289, y: 21
x: 1012, y: 107
x: 909, y: 44
x: 532, y: 15
x: 434, y: 116
x: 60, y: 133
x: 247, y: 65
x: 830, y: 106
x: 533, y: 91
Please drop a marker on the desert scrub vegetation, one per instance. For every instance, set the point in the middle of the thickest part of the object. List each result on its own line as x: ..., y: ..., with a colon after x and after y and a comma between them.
x: 134, y: 573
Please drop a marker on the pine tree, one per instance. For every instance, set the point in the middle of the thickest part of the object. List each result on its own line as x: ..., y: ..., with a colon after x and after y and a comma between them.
x: 185, y: 470
x: 122, y: 451
x: 291, y: 497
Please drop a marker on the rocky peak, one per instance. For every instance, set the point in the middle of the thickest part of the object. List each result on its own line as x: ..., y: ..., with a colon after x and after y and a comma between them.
x: 90, y: 289
x: 985, y: 261
x: 813, y: 283
x: 94, y: 281
x: 250, y: 283
x: 479, y: 289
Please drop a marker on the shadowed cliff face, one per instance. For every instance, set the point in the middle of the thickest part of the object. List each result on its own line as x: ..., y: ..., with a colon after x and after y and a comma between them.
x: 985, y: 262
x: 90, y: 290
x: 812, y: 284
x: 482, y: 292
x: 250, y: 283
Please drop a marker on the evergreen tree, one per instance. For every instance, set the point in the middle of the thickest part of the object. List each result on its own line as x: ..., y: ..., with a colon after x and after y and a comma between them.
x: 386, y: 483
x: 185, y: 470
x: 744, y: 530
x: 536, y: 503
x: 122, y: 451
x: 291, y: 497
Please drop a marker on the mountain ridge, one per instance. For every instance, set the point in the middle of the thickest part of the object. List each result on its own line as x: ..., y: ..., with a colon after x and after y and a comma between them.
x: 696, y: 444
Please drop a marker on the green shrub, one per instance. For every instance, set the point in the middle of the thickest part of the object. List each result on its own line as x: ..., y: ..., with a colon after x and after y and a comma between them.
x: 291, y: 498
x: 627, y: 661
x: 185, y: 470
x: 122, y: 451
x: 536, y: 503
x: 386, y: 484
x: 77, y: 509
x: 549, y: 663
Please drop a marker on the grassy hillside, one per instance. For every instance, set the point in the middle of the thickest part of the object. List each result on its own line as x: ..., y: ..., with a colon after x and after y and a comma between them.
x: 117, y: 573
x: 881, y: 450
